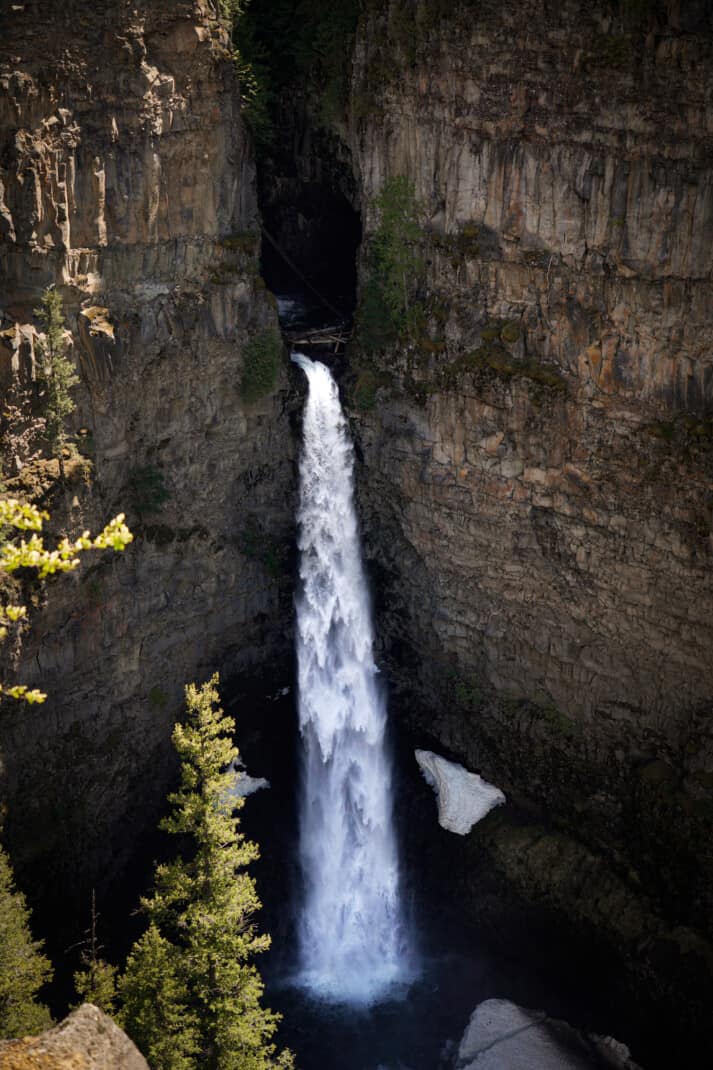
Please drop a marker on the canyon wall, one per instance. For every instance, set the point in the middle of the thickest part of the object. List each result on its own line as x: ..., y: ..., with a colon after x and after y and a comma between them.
x: 127, y: 180
x: 537, y: 478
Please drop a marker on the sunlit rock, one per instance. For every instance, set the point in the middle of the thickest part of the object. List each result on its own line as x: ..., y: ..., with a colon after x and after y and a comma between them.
x: 87, y: 1039
x: 463, y: 798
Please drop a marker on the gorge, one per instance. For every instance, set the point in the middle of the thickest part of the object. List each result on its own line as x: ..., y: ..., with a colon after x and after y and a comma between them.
x: 533, y: 445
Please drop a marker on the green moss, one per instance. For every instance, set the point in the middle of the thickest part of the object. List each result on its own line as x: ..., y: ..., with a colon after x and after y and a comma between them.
x: 657, y: 773
x: 612, y: 50
x: 491, y: 358
x: 704, y: 779
x: 147, y: 489
x: 157, y: 698
x: 262, y: 357
x: 510, y: 332
x: 243, y: 241
x: 557, y: 721
x: 467, y: 693
x: 464, y: 244
x: 365, y: 388
x: 259, y: 546
x: 685, y: 431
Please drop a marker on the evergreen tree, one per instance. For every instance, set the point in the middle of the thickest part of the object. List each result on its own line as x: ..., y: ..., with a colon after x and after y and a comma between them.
x: 203, y: 907
x: 155, y: 998
x: 23, y: 967
x: 95, y: 982
x: 59, y: 373
x: 394, y: 245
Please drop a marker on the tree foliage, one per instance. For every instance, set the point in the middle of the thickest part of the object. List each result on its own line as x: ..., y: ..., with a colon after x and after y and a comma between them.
x: 387, y: 309
x: 95, y: 981
x: 261, y: 364
x: 58, y: 372
x: 202, y: 920
x: 156, y: 1008
x: 23, y: 967
x: 16, y: 516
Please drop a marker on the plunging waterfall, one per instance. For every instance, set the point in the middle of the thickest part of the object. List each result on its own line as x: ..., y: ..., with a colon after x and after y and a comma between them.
x: 352, y: 936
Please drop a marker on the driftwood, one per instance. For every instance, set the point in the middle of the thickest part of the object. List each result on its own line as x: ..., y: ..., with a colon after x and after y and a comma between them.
x: 323, y: 336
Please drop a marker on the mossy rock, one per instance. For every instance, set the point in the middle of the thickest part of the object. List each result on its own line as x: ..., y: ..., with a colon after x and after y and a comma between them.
x: 657, y: 773
x: 244, y: 241
x: 510, y: 332
x: 365, y: 388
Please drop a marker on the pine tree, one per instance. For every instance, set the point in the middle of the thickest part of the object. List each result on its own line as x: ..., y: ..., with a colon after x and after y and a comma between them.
x: 95, y: 982
x: 203, y: 907
x: 155, y: 998
x: 23, y: 967
x: 59, y: 373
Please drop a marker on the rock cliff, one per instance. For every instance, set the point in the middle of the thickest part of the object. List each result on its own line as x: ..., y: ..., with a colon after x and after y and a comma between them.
x: 127, y: 181
x: 537, y: 481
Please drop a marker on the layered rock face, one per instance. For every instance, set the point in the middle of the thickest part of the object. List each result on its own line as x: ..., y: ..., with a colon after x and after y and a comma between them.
x: 538, y: 465
x: 127, y: 181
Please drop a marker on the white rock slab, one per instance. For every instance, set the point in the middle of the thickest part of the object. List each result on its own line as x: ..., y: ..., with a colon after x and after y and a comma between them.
x: 503, y: 1036
x: 463, y: 798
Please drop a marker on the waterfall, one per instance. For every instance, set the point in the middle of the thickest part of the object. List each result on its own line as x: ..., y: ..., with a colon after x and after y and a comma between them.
x: 352, y: 938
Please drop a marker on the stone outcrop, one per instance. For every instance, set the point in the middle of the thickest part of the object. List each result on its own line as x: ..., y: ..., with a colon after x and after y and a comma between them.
x: 86, y: 1040
x: 501, y: 1036
x: 537, y: 475
x: 127, y: 181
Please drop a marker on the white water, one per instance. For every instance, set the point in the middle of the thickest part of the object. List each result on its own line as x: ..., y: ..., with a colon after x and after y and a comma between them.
x: 353, y: 946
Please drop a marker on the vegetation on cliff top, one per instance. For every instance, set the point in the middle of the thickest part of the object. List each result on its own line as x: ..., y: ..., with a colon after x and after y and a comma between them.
x: 292, y: 42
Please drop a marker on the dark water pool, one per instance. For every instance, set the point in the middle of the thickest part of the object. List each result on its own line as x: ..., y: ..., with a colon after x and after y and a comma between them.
x: 461, y: 965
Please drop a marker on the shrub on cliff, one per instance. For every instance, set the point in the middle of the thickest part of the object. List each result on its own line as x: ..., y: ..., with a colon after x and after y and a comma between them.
x: 191, y: 994
x: 58, y: 372
x: 20, y: 553
x: 262, y: 357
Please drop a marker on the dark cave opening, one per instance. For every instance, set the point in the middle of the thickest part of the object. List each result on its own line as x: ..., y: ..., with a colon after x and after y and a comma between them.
x: 309, y: 250
x: 312, y: 223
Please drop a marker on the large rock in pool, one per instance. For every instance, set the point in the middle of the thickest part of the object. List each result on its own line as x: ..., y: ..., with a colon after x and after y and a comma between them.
x: 503, y: 1036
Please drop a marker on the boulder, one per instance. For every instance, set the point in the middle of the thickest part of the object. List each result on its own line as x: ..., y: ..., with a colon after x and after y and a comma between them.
x: 503, y: 1036
x: 87, y: 1039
